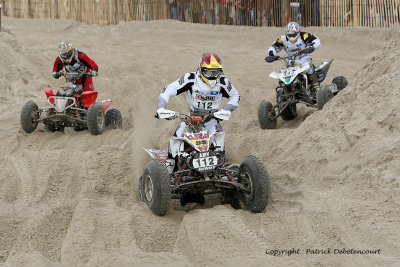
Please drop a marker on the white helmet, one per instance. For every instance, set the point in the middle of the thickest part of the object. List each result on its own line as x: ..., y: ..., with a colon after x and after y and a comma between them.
x: 292, y: 32
x: 66, y: 51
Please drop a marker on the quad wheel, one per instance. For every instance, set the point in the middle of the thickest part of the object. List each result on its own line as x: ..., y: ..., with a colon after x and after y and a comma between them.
x: 324, y: 94
x: 155, y: 187
x: 253, y: 175
x: 113, y: 119
x: 95, y: 119
x: 266, y: 115
x: 340, y: 81
x: 29, y: 116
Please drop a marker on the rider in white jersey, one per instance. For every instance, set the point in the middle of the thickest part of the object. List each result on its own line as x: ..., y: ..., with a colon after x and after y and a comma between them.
x: 204, y: 91
x: 294, y: 40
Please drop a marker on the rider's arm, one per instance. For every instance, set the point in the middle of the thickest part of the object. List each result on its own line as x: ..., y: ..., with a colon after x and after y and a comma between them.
x: 58, y: 65
x: 179, y: 86
x: 87, y: 61
x: 311, y: 40
x: 276, y: 47
x: 230, y: 92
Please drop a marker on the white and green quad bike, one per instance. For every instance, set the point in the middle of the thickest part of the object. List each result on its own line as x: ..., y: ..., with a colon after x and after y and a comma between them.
x: 295, y: 87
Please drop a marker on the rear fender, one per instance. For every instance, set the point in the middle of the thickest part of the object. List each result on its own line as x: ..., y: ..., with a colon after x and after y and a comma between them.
x: 105, y: 104
x: 49, y: 93
x: 322, y: 70
x: 157, y: 154
x: 88, y: 98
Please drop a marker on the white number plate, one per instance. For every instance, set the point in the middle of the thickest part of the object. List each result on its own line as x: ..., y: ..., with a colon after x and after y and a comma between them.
x: 205, y: 163
x: 289, y: 72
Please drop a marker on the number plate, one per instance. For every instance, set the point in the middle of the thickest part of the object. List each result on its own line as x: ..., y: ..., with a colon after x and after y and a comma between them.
x: 204, y: 161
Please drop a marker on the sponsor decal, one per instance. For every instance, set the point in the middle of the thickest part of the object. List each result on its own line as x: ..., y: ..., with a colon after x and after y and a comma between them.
x: 229, y: 88
x: 163, y: 90
x: 205, y: 98
x: 214, y: 93
x: 181, y: 80
x: 197, y: 136
x: 298, y: 45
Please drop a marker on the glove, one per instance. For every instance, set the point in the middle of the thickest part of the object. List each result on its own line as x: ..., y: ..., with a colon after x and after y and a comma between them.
x: 309, y: 50
x: 157, y: 116
x: 56, y: 75
x: 270, y: 59
x: 93, y: 73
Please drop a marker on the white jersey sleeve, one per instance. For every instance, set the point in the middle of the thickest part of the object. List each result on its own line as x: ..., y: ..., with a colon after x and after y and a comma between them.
x: 230, y: 92
x: 179, y: 86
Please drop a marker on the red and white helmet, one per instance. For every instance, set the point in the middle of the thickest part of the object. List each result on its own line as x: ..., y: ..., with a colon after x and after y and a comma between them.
x: 293, y: 32
x: 210, y: 67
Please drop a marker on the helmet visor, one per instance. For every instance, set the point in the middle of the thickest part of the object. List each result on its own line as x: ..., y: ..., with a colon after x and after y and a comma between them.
x: 211, y: 73
x: 66, y: 55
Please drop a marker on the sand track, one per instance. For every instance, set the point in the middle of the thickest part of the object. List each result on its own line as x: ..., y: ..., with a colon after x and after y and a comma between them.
x: 71, y: 198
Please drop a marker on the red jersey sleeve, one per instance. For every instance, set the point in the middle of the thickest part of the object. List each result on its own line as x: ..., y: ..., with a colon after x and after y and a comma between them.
x: 87, y: 61
x: 58, y: 65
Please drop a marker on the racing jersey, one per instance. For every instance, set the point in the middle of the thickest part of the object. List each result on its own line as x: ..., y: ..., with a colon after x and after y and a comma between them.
x: 199, y: 95
x: 306, y: 39
x: 80, y: 58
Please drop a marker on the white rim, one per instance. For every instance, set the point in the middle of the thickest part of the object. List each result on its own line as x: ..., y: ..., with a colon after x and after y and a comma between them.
x: 148, y: 188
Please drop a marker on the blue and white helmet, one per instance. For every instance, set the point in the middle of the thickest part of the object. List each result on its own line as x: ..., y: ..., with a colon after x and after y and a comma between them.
x: 293, y: 32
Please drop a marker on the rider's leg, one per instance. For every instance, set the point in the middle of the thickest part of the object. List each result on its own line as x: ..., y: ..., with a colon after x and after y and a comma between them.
x: 312, y: 75
x: 212, y: 126
x: 178, y: 133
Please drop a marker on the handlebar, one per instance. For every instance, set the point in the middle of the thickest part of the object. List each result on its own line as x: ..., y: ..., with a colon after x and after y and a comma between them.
x: 74, y: 76
x: 196, y: 117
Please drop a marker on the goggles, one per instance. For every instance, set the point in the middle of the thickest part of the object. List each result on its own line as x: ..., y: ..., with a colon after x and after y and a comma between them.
x: 211, y: 73
x: 66, y: 55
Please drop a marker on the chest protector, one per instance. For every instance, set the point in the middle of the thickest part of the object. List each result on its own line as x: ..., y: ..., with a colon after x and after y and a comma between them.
x: 204, y: 97
x: 293, y: 47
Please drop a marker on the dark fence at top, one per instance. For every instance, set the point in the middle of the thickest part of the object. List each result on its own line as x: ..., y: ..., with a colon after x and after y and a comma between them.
x: 337, y: 13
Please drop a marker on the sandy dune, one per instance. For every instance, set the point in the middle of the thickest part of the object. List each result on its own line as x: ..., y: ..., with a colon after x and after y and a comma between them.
x: 70, y: 198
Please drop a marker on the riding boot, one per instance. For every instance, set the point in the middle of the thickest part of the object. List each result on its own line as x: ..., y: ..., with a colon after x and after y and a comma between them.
x: 314, y: 81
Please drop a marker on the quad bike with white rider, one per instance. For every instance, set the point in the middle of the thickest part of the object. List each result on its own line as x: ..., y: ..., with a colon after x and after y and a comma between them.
x: 197, y: 166
x: 295, y: 87
x: 71, y: 107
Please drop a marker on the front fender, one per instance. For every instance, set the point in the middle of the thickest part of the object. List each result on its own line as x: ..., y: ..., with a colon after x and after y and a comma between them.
x: 49, y: 93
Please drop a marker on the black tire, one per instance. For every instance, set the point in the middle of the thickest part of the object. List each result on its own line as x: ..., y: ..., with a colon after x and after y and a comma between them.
x: 29, y: 116
x: 324, y: 94
x: 155, y: 187
x: 254, y: 175
x: 95, y: 119
x: 266, y: 113
x: 340, y: 81
x: 113, y: 119
x: 290, y: 112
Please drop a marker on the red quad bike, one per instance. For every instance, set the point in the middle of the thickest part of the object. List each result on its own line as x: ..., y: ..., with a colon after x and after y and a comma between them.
x: 71, y: 107
x: 197, y: 166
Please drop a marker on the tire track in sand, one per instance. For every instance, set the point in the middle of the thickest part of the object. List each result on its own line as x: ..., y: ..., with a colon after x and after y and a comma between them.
x: 22, y: 170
